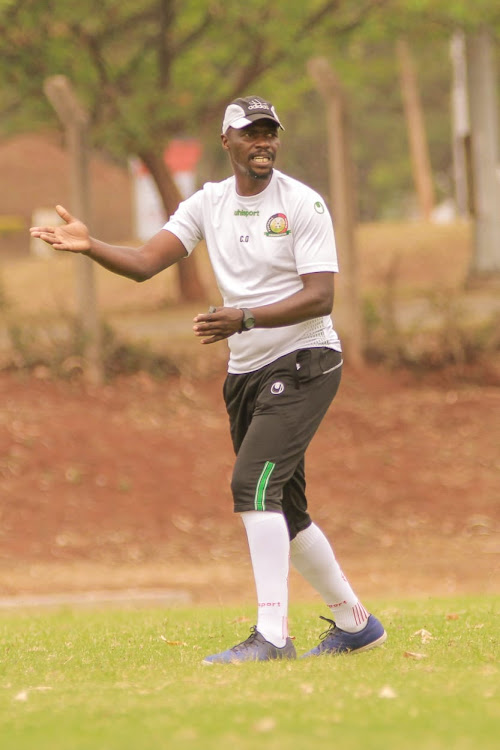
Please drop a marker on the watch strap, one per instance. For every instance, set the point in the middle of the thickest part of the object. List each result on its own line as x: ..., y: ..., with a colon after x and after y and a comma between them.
x: 247, y: 315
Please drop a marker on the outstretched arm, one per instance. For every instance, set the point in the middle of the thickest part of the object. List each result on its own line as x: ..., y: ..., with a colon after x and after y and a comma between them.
x: 161, y: 251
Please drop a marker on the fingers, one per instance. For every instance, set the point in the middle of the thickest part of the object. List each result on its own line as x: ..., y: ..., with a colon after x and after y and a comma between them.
x: 207, y: 329
x: 64, y: 214
x: 217, y: 325
x: 213, y: 339
x: 38, y: 231
x: 44, y: 234
x: 48, y: 235
x: 205, y: 317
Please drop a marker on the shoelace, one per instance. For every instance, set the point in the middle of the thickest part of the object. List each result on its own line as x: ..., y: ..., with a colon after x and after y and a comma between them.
x: 328, y: 632
x: 250, y: 639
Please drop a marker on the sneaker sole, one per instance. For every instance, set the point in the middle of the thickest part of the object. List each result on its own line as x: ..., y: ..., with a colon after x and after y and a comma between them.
x: 382, y: 639
x: 214, y: 663
x: 368, y: 646
x: 244, y: 661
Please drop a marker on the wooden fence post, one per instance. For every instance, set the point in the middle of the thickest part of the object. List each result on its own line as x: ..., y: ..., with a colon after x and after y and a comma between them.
x: 483, y: 112
x: 419, y: 150
x: 340, y: 168
x: 75, y: 121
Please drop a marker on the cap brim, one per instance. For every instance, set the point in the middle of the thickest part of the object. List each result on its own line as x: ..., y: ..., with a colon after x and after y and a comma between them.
x: 242, y: 122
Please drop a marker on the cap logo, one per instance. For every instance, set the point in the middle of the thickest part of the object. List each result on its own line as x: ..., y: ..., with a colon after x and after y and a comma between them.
x: 256, y: 104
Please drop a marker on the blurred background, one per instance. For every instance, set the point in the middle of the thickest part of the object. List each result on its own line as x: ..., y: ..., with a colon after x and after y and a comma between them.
x: 113, y: 109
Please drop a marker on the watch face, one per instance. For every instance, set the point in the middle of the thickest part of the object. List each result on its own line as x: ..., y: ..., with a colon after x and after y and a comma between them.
x: 248, y: 320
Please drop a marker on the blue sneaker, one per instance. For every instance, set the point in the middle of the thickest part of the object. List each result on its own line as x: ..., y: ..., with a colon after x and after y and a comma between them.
x: 337, y: 641
x: 255, y: 648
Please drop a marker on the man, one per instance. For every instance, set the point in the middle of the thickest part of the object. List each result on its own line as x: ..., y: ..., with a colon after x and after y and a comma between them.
x: 271, y: 244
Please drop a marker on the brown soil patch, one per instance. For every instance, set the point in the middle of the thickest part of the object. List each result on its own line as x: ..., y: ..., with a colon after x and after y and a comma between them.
x: 127, y: 485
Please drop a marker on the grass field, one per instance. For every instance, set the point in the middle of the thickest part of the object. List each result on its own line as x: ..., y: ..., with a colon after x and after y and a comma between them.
x: 109, y: 679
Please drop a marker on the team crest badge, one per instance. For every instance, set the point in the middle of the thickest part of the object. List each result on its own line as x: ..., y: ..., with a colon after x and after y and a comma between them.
x: 277, y: 226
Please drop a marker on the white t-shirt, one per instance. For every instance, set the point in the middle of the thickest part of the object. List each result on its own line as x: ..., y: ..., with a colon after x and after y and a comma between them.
x: 258, y: 246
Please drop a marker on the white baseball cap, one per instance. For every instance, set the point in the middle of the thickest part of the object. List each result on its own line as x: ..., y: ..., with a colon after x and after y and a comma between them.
x: 248, y: 109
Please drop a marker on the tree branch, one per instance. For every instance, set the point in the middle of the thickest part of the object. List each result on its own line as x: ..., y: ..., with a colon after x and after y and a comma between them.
x: 258, y: 64
x: 93, y: 45
x: 165, y: 52
x: 195, y: 34
x: 332, y: 5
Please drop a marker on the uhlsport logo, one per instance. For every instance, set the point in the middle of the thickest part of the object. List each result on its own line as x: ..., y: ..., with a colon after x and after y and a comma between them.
x: 277, y: 388
x: 277, y: 226
x: 244, y: 212
x: 319, y: 207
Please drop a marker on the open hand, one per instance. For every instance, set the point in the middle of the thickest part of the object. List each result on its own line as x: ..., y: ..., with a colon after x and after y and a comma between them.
x: 72, y: 236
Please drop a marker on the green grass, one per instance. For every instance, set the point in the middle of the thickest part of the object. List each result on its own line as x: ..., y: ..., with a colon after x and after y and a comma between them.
x: 109, y: 679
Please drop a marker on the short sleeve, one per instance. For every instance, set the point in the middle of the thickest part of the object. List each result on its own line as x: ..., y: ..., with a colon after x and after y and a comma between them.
x: 314, y: 238
x: 187, y: 222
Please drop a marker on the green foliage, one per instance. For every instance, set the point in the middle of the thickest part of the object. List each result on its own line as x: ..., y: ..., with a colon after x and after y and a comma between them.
x: 127, y: 358
x: 446, y: 15
x: 149, y: 71
x: 448, y: 340
x: 57, y: 350
x: 130, y: 679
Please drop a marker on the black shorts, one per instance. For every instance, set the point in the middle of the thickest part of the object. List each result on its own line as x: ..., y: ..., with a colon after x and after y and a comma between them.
x: 274, y: 413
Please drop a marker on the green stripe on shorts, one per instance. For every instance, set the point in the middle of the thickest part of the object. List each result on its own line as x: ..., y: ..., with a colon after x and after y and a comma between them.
x: 260, y: 492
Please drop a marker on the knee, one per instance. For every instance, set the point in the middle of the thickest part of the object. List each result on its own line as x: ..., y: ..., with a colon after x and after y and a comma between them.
x: 239, y: 486
x: 257, y: 492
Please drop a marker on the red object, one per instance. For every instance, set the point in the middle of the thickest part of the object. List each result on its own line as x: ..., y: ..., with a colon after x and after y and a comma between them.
x: 182, y: 155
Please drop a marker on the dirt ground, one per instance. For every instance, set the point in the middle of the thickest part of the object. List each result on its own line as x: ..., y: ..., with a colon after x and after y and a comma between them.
x: 126, y: 486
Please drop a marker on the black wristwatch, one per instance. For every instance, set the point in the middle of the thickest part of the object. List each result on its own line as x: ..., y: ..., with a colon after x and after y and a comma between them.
x: 248, y: 320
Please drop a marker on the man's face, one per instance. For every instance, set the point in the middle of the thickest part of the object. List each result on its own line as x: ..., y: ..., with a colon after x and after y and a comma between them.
x: 252, y: 150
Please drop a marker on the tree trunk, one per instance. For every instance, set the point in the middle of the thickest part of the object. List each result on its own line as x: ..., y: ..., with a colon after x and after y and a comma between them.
x: 341, y: 179
x: 462, y: 163
x: 419, y: 151
x: 483, y: 111
x: 190, y: 286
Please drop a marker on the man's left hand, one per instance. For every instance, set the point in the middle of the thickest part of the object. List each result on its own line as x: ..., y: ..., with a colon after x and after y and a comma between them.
x: 218, y: 325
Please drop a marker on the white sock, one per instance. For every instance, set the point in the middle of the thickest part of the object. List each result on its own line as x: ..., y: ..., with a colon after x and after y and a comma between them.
x: 312, y: 555
x: 269, y: 545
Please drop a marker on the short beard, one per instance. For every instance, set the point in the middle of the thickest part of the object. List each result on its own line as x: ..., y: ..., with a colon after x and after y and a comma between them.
x: 259, y: 176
